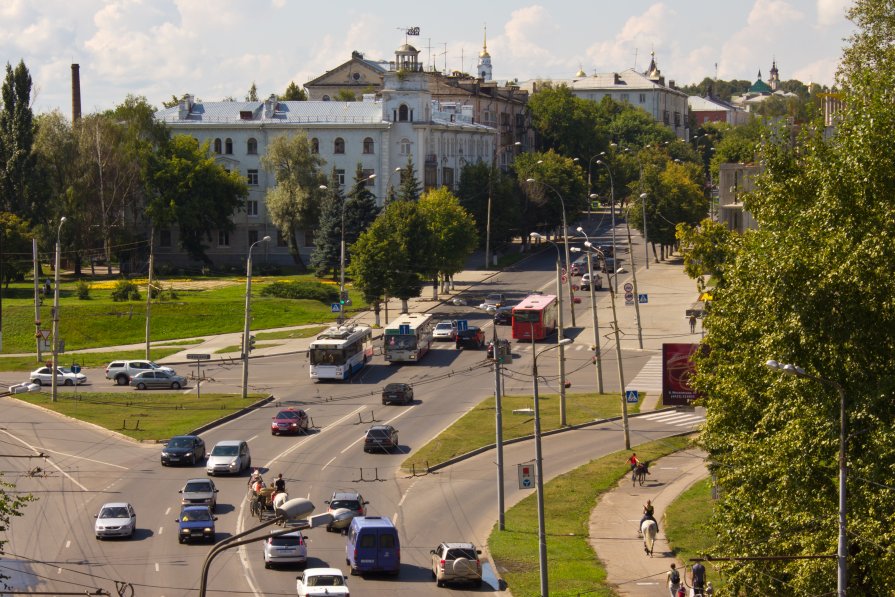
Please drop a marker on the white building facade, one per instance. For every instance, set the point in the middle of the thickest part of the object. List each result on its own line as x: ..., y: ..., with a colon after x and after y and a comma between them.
x: 379, y: 134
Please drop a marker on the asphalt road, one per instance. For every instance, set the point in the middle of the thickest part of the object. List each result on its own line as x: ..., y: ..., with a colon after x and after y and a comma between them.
x: 89, y: 466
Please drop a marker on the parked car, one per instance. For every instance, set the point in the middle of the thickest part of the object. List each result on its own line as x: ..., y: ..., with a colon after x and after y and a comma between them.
x: 123, y: 371
x: 445, y: 330
x: 290, y: 420
x: 158, y: 379
x: 228, y: 457
x: 401, y: 393
x: 199, y: 492
x: 44, y: 375
x: 372, y: 545
x: 504, y: 315
x: 321, y: 581
x: 453, y: 562
x: 381, y: 437
x: 349, y: 500
x: 182, y: 449
x: 585, y: 281
x: 471, y: 337
x: 290, y: 548
x: 195, y: 523
x: 115, y: 519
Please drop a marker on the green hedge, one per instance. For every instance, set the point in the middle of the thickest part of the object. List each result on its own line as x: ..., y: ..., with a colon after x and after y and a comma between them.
x: 317, y: 291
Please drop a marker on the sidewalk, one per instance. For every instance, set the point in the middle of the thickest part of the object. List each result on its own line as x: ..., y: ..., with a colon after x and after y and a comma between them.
x: 614, y: 525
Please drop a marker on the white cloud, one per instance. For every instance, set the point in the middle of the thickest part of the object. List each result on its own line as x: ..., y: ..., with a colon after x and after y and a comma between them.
x: 520, y: 33
x: 831, y: 12
x: 768, y: 23
x: 640, y: 35
x: 772, y: 13
x: 821, y: 71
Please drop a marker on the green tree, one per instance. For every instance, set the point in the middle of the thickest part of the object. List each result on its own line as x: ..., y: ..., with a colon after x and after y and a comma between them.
x: 558, y: 182
x: 345, y: 95
x: 328, y: 235
x: 16, y: 247
x: 293, y: 93
x: 708, y: 248
x: 410, y: 187
x: 56, y: 160
x: 252, y: 95
x: 567, y: 124
x: 17, y: 161
x: 811, y: 286
x: 452, y: 234
x: 476, y: 182
x: 293, y: 204
x: 360, y: 207
x: 190, y: 189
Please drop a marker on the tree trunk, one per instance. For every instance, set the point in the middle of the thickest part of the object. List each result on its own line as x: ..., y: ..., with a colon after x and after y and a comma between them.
x: 78, y: 262
x: 293, y: 250
x: 435, y: 288
x: 655, y: 256
x: 404, y: 306
x: 377, y: 309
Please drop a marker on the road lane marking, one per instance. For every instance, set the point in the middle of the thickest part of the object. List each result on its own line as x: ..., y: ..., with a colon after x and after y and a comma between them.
x: 395, y: 418
x: 47, y: 450
x: 156, y: 566
x: 47, y: 460
x: 404, y: 497
x: 168, y: 511
x: 68, y: 544
x: 161, y: 530
x: 328, y: 463
x: 253, y: 437
x: 395, y: 518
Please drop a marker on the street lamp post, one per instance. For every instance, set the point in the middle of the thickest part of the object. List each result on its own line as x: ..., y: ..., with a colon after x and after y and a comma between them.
x: 612, y: 209
x: 790, y: 369
x: 645, y: 243
x: 618, y: 354
x: 539, y: 463
x: 565, y: 237
x: 246, y: 347
x: 55, y: 371
x: 559, y: 333
x: 388, y: 182
x: 596, y: 322
x: 634, y: 280
x: 488, y: 217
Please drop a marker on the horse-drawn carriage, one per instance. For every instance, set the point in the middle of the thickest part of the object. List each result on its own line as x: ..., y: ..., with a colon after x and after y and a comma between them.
x: 265, y: 501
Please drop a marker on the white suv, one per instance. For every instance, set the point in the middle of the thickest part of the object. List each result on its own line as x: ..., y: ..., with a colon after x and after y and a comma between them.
x: 123, y: 371
x: 456, y: 562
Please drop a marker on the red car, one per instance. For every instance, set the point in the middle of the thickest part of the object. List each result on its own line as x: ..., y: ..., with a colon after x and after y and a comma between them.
x: 289, y: 421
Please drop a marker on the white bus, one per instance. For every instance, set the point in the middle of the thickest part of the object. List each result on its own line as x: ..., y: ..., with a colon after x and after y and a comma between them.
x: 408, y: 337
x: 339, y: 352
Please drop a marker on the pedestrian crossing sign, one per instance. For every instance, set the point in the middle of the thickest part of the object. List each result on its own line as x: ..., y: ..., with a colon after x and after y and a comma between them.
x: 632, y: 396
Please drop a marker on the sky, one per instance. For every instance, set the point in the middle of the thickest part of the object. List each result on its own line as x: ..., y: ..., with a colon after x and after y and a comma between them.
x: 217, y: 49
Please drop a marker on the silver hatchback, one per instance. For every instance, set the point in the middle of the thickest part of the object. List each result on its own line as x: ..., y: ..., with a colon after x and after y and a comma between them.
x: 158, y: 379
x: 285, y: 549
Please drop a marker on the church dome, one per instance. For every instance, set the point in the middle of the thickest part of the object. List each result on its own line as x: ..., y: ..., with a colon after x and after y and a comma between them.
x: 407, y: 49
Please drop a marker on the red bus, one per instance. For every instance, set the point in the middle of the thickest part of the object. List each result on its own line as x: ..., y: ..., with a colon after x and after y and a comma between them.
x: 535, y: 315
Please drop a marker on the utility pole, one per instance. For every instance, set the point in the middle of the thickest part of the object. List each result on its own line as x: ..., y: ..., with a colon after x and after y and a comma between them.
x: 55, y: 387
x: 149, y: 288
x: 37, y: 335
x: 562, y: 349
x: 499, y: 425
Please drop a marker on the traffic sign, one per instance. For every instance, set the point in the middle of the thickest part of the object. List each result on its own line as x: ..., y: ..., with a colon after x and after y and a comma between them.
x: 642, y: 298
x: 526, y: 476
x: 335, y: 307
x: 75, y: 368
x: 404, y: 329
x: 629, y: 298
x: 198, y: 357
x: 462, y: 325
x: 631, y: 396
x: 629, y: 287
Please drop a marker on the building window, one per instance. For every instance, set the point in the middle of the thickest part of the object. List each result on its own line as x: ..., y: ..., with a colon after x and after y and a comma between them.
x: 504, y: 119
x: 281, y: 239
x: 402, y: 113
x: 340, y: 176
x: 228, y: 146
x: 223, y: 238
x: 431, y: 176
x: 252, y: 146
x: 624, y: 97
x: 325, y: 98
x: 368, y: 145
x: 315, y: 145
x: 309, y: 238
x: 217, y: 146
x: 253, y: 237
x: 164, y: 238
x: 642, y: 98
x: 339, y: 145
x: 252, y: 208
x: 447, y: 177
x: 665, y: 118
x: 252, y: 178
x: 405, y: 146
x: 677, y: 119
x: 366, y: 173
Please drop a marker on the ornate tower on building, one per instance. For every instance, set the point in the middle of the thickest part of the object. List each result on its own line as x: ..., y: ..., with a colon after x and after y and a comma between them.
x: 774, y: 78
x: 484, y: 67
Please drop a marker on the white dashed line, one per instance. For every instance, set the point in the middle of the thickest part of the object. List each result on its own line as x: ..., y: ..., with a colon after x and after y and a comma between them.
x: 161, y: 530
x: 68, y: 544
x: 329, y: 463
x: 156, y: 566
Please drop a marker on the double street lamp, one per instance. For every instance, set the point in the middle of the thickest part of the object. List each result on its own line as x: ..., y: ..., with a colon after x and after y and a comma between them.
x: 246, y: 340
x: 790, y: 369
x: 55, y: 371
x: 612, y: 210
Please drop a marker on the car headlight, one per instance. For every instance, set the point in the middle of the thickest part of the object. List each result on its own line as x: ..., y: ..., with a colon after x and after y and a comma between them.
x: 188, y: 454
x: 208, y: 530
x: 166, y: 454
x: 184, y: 531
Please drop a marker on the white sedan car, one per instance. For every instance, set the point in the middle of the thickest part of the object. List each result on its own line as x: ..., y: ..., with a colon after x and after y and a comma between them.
x: 115, y: 519
x: 321, y: 581
x: 44, y: 376
x: 444, y: 330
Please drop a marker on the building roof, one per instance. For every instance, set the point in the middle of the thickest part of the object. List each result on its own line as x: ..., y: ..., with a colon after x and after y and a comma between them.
x: 294, y: 112
x: 707, y: 104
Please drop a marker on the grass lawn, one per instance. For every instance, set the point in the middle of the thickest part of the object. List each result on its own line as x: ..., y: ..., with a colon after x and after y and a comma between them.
x: 686, y: 528
x: 84, y: 359
x: 573, y: 568
x: 149, y: 415
x: 238, y: 348
x: 477, y: 427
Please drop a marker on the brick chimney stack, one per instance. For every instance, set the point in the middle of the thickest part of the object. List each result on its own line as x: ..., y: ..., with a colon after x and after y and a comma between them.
x: 75, y: 93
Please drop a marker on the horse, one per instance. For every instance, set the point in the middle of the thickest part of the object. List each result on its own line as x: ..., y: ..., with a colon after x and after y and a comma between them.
x: 278, y: 501
x: 640, y: 473
x: 649, y: 528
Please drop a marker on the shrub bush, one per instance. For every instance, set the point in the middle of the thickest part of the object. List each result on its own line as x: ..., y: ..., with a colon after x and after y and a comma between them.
x: 315, y: 291
x: 125, y: 290
x: 83, y: 290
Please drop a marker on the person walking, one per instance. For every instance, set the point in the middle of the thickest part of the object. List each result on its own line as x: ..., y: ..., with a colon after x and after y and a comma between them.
x: 673, y: 580
x: 698, y: 578
x: 280, y: 483
x: 692, y: 324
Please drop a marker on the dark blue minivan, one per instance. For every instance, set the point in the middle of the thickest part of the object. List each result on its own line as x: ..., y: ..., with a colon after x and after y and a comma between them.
x: 373, y: 546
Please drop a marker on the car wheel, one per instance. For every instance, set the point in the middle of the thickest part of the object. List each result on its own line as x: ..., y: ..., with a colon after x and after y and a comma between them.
x: 384, y: 402
x: 69, y: 382
x: 477, y: 583
x: 439, y: 583
x: 37, y: 381
x: 98, y: 538
x: 121, y: 380
x: 175, y: 385
x: 267, y: 565
x: 180, y: 539
x: 141, y: 386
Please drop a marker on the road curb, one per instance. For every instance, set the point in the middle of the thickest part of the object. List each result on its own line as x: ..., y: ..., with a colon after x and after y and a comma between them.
x: 232, y: 416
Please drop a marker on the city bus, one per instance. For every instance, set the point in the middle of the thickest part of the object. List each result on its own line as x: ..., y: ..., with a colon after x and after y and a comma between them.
x: 408, y: 337
x: 534, y: 316
x: 340, y: 351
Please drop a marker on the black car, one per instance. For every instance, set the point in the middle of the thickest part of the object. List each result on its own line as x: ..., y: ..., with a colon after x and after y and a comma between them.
x: 381, y: 437
x: 397, y: 392
x: 503, y: 316
x: 183, y: 449
x: 471, y: 337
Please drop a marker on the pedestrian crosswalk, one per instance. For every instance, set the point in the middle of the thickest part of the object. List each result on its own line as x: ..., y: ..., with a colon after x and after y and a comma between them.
x: 649, y: 379
x: 675, y: 418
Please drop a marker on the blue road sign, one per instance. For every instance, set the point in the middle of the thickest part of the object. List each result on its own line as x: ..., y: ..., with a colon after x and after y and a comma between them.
x: 462, y: 325
x: 631, y: 396
x: 335, y: 307
x: 404, y: 329
x: 75, y: 368
x: 642, y: 298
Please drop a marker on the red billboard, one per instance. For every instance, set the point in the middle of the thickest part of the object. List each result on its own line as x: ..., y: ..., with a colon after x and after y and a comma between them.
x: 677, y: 369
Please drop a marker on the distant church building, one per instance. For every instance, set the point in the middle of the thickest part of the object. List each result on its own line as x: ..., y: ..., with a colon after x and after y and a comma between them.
x: 759, y: 91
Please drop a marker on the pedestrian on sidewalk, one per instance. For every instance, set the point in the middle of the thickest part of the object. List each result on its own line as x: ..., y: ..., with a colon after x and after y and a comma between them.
x: 698, y: 578
x: 673, y: 580
x: 692, y: 324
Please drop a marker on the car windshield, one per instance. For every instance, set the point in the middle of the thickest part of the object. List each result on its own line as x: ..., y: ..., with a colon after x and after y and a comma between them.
x: 350, y: 504
x: 114, y: 512
x: 444, y: 326
x: 327, y: 356
x: 180, y: 442
x: 195, y: 515
x: 288, y: 414
x: 197, y: 487
x: 325, y: 580
x: 399, y: 342
x: 395, y: 387
x: 455, y: 553
x: 378, y: 433
x: 286, y: 541
x: 225, y: 451
x: 527, y: 316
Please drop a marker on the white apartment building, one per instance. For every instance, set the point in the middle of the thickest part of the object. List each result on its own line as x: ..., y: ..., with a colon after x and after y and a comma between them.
x: 380, y: 133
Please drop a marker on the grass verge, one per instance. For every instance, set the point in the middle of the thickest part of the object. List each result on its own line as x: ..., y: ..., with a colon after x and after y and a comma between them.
x: 477, y: 427
x: 291, y: 334
x: 149, y: 415
x: 573, y: 568
x: 84, y: 359
x: 686, y: 526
